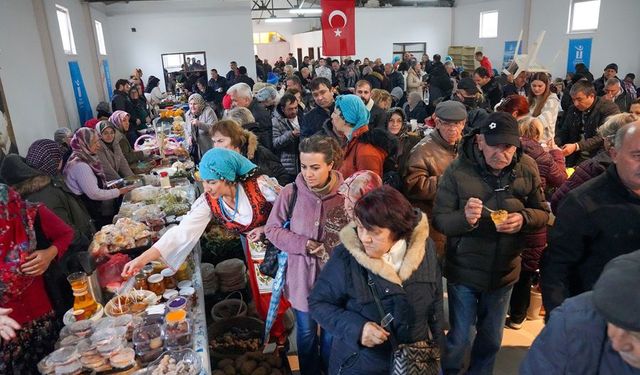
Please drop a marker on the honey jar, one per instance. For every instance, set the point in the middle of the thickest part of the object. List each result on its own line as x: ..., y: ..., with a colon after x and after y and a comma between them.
x: 156, y: 284
x: 169, y: 278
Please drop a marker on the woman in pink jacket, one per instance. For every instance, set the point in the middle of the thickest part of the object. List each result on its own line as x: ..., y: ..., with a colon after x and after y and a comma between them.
x: 316, y: 219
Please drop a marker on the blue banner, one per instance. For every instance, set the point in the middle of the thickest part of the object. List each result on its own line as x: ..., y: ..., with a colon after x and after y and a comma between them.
x: 107, y: 78
x: 82, y: 100
x: 510, y: 52
x: 579, y: 52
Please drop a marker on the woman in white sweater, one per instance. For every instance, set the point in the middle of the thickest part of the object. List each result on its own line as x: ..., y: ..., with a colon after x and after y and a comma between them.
x: 544, y: 105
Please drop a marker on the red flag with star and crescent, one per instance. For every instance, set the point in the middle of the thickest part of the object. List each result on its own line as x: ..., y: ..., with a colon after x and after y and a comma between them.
x: 338, y: 27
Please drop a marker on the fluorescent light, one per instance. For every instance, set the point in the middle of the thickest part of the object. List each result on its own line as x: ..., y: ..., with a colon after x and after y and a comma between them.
x: 277, y: 20
x: 305, y: 11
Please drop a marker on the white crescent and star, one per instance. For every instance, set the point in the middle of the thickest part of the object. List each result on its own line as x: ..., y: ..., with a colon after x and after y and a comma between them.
x: 341, y: 14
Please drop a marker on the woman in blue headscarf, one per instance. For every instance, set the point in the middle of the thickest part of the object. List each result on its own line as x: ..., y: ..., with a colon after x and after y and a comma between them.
x: 236, y: 197
x: 366, y: 149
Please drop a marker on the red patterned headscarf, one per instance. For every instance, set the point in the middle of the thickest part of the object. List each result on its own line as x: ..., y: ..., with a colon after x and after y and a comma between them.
x: 17, y: 241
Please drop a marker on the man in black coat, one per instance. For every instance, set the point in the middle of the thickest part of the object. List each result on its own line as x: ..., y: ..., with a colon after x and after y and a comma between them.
x: 490, y: 87
x: 610, y: 71
x: 577, y: 135
x: 519, y: 86
x: 377, y: 115
x: 325, y: 103
x: 595, y: 223
x: 395, y: 78
x: 120, y: 100
x: 231, y: 74
x: 292, y: 61
x: 241, y: 96
x: 244, y: 78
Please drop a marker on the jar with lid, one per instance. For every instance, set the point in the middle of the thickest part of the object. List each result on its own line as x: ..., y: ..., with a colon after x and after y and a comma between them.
x: 84, y: 305
x: 190, y: 294
x: 156, y: 284
x: 165, y: 182
x: 178, y: 303
x: 169, y: 278
x: 177, y: 330
x: 183, y: 273
x: 148, y: 341
x: 141, y: 282
x: 147, y: 270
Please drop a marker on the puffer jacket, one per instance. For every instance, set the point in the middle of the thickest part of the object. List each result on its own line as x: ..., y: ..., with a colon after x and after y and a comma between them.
x: 552, y: 174
x: 414, y: 83
x: 343, y: 303
x: 368, y: 150
x: 426, y: 164
x: 285, y: 144
x: 267, y: 162
x: 581, y: 128
x: 478, y: 256
x: 584, y: 172
x: 575, y: 342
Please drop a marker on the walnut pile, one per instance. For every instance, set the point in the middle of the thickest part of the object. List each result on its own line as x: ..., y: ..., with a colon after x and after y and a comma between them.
x: 169, y: 366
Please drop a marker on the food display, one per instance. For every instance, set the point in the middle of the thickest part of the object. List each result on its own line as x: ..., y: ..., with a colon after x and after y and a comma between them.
x: 253, y: 363
x: 237, y: 340
x: 184, y: 362
x: 124, y: 234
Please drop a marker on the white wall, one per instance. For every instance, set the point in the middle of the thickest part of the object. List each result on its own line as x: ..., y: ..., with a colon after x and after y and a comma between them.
x: 466, y: 26
x: 24, y: 75
x: 225, y: 34
x: 287, y: 29
x: 378, y: 29
x: 612, y: 42
x: 84, y: 35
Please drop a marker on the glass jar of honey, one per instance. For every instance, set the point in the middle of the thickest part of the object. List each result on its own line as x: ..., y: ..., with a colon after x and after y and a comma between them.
x: 183, y: 273
x: 156, y: 284
x: 141, y: 282
x: 169, y: 278
x: 84, y: 305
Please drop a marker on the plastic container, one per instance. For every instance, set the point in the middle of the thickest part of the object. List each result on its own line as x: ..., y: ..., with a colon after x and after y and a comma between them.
x: 165, y: 182
x: 104, y: 336
x: 148, y: 337
x: 169, y: 293
x: 111, y: 347
x: 178, y: 303
x: 185, y: 284
x: 66, y: 361
x: 177, y: 330
x: 188, y: 357
x: 190, y: 294
x: 123, y: 359
x: 82, y: 328
x: 45, y: 367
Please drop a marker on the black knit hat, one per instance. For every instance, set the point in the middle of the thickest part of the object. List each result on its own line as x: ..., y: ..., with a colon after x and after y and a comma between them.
x: 616, y: 295
x: 613, y: 66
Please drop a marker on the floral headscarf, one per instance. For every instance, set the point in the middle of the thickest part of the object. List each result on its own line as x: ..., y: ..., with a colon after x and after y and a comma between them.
x: 81, y: 154
x: 359, y: 184
x: 17, y: 241
x: 117, y: 118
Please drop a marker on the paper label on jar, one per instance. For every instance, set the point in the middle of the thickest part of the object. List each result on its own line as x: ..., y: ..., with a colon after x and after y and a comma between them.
x: 264, y: 282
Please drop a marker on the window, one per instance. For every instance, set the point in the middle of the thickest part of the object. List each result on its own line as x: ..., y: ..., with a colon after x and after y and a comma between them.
x: 101, y: 47
x: 416, y: 49
x: 64, y: 21
x: 489, y: 24
x: 583, y: 16
x: 267, y: 37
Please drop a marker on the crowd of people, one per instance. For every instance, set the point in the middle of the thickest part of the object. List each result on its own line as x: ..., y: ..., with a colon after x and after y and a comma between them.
x: 376, y: 180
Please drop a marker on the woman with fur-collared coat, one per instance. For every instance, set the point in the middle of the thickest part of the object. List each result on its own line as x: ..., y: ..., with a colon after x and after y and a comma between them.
x: 389, y: 242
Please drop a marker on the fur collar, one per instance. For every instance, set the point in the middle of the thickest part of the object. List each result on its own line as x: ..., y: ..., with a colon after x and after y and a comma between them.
x: 380, y: 138
x: 251, y: 144
x: 412, y: 259
x: 32, y: 185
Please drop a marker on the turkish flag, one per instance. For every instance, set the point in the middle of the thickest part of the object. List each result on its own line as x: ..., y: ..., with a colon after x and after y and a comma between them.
x: 338, y: 27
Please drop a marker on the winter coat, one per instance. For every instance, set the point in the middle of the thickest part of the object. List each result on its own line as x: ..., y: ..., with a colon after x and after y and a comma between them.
x: 318, y: 218
x: 243, y: 78
x: 367, y: 150
x: 584, y: 172
x: 285, y: 144
x: 599, y: 84
x: 492, y: 93
x: 414, y: 83
x: 396, y: 80
x: 267, y: 162
x: 121, y: 102
x: 584, y: 132
x: 596, y: 222
x: 200, y: 132
x: 113, y: 162
x: 440, y: 84
x: 575, y: 341
x: 314, y: 119
x: 427, y: 162
x: 623, y: 101
x: 324, y: 72
x: 548, y: 117
x: 129, y: 154
x: 377, y: 118
x: 342, y: 301
x: 375, y: 79
x: 552, y: 174
x: 478, y: 256
x: 406, y: 141
x: 511, y: 89
x: 419, y: 113
x: 264, y: 131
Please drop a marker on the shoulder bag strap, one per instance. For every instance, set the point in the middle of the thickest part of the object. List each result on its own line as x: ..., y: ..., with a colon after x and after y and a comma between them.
x: 376, y: 298
x: 292, y: 204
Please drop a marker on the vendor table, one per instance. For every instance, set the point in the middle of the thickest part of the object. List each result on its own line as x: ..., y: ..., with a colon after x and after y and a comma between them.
x: 199, y: 319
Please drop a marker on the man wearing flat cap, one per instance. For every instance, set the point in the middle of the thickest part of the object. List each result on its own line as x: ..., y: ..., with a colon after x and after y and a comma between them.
x: 596, y: 332
x: 485, y: 200
x: 430, y: 157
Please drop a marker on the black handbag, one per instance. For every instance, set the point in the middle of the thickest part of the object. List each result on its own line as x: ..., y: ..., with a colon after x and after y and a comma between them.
x: 421, y: 357
x: 269, y: 266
